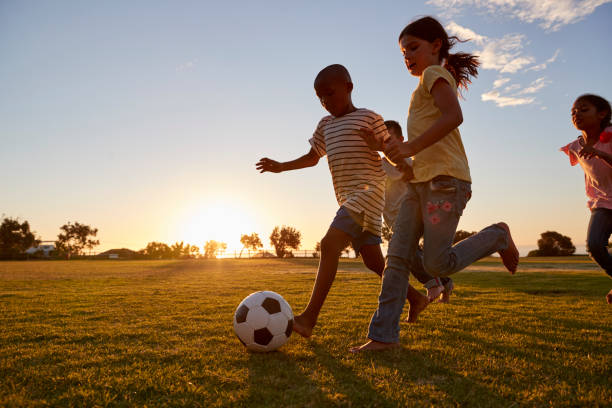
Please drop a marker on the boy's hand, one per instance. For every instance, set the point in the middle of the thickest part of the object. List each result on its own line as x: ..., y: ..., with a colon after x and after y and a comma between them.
x: 397, y: 151
x: 270, y: 165
x: 368, y: 136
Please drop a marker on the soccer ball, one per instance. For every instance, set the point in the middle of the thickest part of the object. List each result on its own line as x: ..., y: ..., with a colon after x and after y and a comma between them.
x: 263, y: 321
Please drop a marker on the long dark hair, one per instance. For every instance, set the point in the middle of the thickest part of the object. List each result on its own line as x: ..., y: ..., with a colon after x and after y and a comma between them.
x: 461, y: 65
x: 601, y: 105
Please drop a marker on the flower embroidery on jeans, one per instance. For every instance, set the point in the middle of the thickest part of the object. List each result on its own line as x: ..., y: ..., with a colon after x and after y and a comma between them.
x: 434, y: 219
x: 431, y: 207
x: 446, y: 206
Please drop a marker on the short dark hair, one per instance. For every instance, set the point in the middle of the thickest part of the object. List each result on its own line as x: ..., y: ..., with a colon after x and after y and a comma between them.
x: 391, y: 124
x: 334, y: 71
x: 600, y: 104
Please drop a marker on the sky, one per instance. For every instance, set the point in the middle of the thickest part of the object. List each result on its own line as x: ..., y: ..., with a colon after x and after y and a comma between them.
x: 145, y: 119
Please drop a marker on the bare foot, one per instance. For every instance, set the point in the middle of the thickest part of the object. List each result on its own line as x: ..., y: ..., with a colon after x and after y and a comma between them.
x: 510, y: 255
x: 609, y: 297
x: 435, y: 292
x: 302, y: 326
x: 448, y: 289
x: 417, y: 305
x: 374, y: 345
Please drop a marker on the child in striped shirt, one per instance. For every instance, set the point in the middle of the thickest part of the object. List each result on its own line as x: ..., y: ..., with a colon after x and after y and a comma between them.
x: 359, y: 184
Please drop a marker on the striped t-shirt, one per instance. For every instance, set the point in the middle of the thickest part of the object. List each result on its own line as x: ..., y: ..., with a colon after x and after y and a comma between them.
x: 357, y: 174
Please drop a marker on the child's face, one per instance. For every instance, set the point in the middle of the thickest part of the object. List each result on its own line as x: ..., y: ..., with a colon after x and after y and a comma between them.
x: 585, y: 115
x: 395, y: 134
x: 335, y: 95
x: 419, y: 53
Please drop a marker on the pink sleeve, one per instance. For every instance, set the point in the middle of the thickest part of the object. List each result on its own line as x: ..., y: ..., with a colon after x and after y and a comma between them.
x: 572, y: 155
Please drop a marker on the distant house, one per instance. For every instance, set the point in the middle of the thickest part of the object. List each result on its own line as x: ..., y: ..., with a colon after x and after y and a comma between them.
x: 43, y: 250
x: 122, y: 253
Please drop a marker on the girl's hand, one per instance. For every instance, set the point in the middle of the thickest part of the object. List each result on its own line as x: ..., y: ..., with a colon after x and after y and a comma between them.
x: 270, y: 165
x: 397, y: 151
x: 588, y: 152
x: 368, y: 136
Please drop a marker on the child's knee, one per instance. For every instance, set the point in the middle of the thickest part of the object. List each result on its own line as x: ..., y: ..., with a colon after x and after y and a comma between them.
x: 331, y: 245
x: 438, y: 265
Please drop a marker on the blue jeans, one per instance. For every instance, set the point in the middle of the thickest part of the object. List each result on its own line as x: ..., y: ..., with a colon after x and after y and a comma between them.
x: 598, y: 234
x: 431, y: 210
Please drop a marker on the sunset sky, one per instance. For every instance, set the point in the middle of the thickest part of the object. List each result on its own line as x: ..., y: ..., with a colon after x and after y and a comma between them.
x: 145, y: 118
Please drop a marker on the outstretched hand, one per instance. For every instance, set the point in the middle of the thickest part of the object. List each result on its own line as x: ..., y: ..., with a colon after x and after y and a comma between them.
x: 369, y: 137
x: 270, y: 165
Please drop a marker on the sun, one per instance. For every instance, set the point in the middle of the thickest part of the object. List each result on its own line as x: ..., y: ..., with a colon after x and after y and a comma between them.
x: 223, y: 221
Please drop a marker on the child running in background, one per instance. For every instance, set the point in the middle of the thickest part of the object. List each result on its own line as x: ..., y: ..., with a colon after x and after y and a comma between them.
x: 441, y: 185
x: 593, y: 151
x: 395, y: 189
x: 359, y: 183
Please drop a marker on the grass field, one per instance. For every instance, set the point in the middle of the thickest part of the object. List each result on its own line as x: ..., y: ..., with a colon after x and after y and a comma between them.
x: 159, y: 333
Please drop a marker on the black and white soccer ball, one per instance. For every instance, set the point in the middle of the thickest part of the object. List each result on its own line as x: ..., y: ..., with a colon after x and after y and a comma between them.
x: 263, y: 321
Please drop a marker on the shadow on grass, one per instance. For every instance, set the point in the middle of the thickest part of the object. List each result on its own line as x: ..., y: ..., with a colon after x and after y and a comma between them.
x: 409, y: 369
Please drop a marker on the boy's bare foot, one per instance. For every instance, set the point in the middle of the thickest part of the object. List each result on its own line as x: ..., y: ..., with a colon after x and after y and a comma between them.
x: 434, y: 293
x: 417, y: 305
x: 609, y: 297
x: 374, y: 345
x: 510, y: 255
x: 302, y: 326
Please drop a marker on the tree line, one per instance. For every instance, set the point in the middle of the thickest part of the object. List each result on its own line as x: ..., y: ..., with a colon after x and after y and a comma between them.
x: 74, y: 239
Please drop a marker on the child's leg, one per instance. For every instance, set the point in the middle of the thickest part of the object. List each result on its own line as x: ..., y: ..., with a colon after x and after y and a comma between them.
x: 435, y: 286
x: 598, y: 234
x: 384, y: 325
x: 374, y: 260
x: 442, y: 203
x: 332, y: 245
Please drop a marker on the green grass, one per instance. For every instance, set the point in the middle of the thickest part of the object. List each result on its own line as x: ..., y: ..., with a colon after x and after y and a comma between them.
x: 159, y: 333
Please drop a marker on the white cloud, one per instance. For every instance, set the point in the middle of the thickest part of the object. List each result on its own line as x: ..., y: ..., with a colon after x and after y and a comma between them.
x: 502, y: 101
x: 511, y: 88
x: 500, y: 81
x: 185, y: 66
x: 535, y: 86
x: 544, y: 65
x: 465, y: 33
x: 550, y: 14
x: 504, y: 54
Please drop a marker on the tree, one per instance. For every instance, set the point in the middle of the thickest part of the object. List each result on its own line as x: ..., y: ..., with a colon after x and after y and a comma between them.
x: 157, y: 250
x: 212, y: 248
x: 15, y: 238
x: 553, y: 243
x: 283, y: 238
x: 250, y: 242
x: 461, y: 235
x: 75, y: 238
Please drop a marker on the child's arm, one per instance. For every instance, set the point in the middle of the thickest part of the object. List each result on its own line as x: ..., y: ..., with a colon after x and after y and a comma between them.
x: 589, y: 151
x: 446, y: 100
x: 308, y: 160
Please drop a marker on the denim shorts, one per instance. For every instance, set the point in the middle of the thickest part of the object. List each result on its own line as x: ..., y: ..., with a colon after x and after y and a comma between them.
x: 345, y: 221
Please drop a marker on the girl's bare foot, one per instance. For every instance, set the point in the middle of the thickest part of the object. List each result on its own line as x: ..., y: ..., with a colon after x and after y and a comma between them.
x: 609, y: 297
x: 417, y: 305
x: 302, y: 326
x: 510, y: 255
x: 374, y: 345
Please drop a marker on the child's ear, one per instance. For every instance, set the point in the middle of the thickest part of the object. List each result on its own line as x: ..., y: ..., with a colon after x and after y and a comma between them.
x: 436, y: 45
x: 349, y: 86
